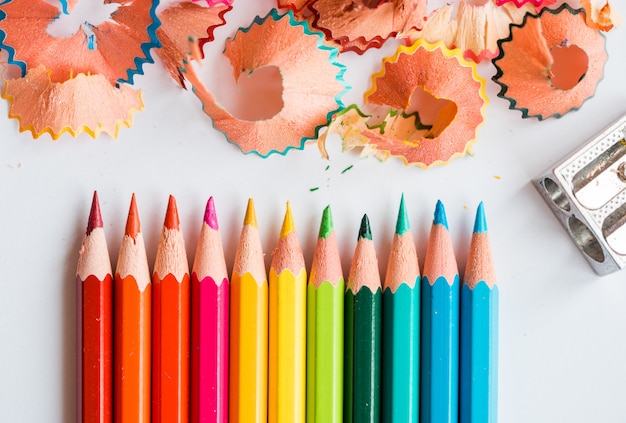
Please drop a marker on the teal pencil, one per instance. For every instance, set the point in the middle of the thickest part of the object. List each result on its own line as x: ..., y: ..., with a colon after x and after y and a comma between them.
x: 401, y: 308
x: 479, y: 330
x: 439, y: 367
x: 362, y: 333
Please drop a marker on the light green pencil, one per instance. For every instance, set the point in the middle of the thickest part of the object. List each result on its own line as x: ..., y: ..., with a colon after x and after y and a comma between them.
x: 325, y: 298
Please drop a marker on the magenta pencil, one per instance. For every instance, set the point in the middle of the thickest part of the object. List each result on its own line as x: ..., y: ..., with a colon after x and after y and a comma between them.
x: 209, y: 325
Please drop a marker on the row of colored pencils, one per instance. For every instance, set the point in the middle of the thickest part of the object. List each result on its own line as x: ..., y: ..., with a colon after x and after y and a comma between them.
x: 282, y: 346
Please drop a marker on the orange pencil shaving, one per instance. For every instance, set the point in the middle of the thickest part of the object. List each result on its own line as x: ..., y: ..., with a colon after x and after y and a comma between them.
x: 133, y: 308
x: 94, y: 291
x: 170, y: 324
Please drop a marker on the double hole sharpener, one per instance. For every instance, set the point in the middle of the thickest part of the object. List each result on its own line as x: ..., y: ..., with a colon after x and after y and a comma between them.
x: 587, y: 193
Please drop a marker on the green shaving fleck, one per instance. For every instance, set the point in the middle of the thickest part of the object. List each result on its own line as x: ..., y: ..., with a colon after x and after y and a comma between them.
x: 314, y: 189
x: 346, y: 169
x: 327, y: 167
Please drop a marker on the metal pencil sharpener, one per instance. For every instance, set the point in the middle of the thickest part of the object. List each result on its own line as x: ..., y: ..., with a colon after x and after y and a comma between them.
x: 587, y: 193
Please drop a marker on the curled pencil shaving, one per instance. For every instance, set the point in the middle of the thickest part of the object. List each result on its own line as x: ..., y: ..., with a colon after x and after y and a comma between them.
x: 360, y: 25
x: 520, y: 3
x: 180, y: 22
x: 474, y: 28
x: 116, y: 48
x: 425, y: 107
x: 312, y: 83
x: 298, y: 7
x: 84, y: 103
x: 601, y: 15
x: 551, y: 63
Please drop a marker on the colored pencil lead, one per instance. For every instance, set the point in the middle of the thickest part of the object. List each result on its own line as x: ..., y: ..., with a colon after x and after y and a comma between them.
x: 95, y: 218
x: 327, y: 227
x: 171, y: 216
x: 288, y: 224
x: 365, y: 230
x: 133, y: 225
x: 440, y: 215
x: 210, y: 216
x: 402, y: 224
x: 480, y: 224
x: 250, y: 218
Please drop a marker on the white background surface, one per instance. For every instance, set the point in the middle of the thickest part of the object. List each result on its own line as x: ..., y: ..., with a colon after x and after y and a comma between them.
x: 562, y: 343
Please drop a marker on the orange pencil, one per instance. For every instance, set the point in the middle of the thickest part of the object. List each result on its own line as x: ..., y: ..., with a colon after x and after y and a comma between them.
x: 94, y: 297
x: 133, y: 295
x: 170, y: 324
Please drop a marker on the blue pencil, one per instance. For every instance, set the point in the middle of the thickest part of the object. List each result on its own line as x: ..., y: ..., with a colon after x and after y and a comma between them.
x: 479, y: 330
x: 440, y: 327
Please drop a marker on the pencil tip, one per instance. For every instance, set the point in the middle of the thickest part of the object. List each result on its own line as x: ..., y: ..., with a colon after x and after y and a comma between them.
x: 210, y: 217
x: 171, y: 216
x: 288, y: 225
x: 480, y: 224
x: 402, y: 225
x: 133, y: 225
x: 327, y: 227
x: 440, y: 215
x: 250, y: 218
x: 365, y: 230
x: 95, y: 217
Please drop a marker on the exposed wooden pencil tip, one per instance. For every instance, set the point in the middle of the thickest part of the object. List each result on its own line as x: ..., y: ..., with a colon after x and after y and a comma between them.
x: 95, y: 217
x: 480, y: 224
x: 210, y: 217
x: 365, y: 230
x: 288, y: 224
x: 133, y: 225
x: 171, y: 216
x: 326, y: 227
x: 440, y: 215
x: 402, y: 225
x: 250, y: 218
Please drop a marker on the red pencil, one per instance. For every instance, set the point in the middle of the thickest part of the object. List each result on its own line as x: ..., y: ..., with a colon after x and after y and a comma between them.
x: 209, y: 325
x: 94, y: 295
x: 170, y: 324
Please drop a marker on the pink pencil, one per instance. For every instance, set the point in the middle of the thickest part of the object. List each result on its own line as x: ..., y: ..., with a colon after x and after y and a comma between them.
x: 209, y: 325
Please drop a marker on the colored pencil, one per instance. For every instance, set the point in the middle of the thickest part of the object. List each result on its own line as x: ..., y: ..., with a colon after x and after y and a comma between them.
x: 401, y: 308
x: 287, y: 328
x: 133, y: 312
x: 248, y: 326
x: 209, y: 325
x: 170, y: 324
x: 440, y: 326
x: 362, y: 338
x: 94, y: 303
x: 479, y: 330
x: 325, y: 296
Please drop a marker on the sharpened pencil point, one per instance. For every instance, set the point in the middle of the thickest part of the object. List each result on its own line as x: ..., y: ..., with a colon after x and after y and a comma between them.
x: 250, y: 218
x: 171, y: 216
x: 402, y: 225
x: 210, y: 217
x: 480, y: 224
x: 133, y: 225
x: 364, y: 230
x: 95, y: 218
x: 288, y: 225
x: 327, y: 227
x: 440, y: 215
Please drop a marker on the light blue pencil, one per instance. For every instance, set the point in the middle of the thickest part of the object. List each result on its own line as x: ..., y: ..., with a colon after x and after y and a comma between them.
x: 440, y: 327
x: 479, y: 331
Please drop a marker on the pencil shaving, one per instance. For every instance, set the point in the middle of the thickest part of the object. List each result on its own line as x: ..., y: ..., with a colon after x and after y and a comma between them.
x: 180, y: 22
x: 43, y: 106
x: 601, y: 15
x: 551, y: 63
x: 311, y: 83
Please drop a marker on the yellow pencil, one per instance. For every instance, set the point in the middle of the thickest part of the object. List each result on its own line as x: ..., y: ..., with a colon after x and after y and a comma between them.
x: 248, y: 327
x: 287, y: 328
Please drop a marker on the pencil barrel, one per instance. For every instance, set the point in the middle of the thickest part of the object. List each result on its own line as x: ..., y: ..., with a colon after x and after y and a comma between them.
x: 248, y: 349
x: 479, y: 354
x: 400, y: 355
x: 439, y: 350
x: 363, y: 354
x: 325, y: 352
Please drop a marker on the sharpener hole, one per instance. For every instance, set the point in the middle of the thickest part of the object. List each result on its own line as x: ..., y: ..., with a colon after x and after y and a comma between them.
x: 585, y: 239
x: 556, y: 194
